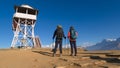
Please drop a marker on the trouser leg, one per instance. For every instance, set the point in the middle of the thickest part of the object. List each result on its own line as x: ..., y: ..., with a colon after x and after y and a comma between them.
x: 56, y: 45
x: 71, y: 47
x: 75, y: 47
x: 60, y: 46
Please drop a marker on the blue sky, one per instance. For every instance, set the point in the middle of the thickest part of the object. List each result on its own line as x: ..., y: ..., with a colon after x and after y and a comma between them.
x: 93, y: 19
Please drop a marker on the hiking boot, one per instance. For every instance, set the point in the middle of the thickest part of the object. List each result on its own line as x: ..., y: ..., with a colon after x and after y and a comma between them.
x: 75, y: 55
x: 71, y: 54
x: 60, y: 55
x: 53, y: 55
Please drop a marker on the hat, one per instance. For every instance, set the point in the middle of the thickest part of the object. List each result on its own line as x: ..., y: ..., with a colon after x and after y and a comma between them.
x: 59, y: 26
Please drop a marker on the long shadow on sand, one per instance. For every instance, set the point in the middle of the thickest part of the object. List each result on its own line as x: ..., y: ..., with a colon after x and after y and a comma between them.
x: 96, y: 53
x: 107, y: 59
x: 43, y: 53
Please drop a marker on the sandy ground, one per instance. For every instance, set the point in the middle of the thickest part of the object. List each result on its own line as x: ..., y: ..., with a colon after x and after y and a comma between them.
x: 42, y: 58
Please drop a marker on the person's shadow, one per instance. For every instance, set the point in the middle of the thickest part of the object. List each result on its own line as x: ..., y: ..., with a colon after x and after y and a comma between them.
x: 43, y: 53
x: 107, y: 59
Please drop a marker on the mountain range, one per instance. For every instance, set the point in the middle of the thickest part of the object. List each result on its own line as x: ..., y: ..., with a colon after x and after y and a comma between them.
x: 106, y: 44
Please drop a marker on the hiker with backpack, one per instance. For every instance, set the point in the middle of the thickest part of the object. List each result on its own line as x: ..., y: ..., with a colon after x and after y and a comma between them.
x: 72, y: 35
x: 58, y: 35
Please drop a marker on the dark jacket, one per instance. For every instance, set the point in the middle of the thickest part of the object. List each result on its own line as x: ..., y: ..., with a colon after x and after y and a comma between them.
x: 58, y: 31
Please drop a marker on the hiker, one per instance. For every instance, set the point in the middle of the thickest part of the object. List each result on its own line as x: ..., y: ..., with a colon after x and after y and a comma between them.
x: 72, y: 35
x: 59, y: 35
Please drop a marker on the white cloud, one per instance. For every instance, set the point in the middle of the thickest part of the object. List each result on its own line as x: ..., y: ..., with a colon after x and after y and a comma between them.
x: 52, y: 45
x: 86, y: 44
x: 111, y: 39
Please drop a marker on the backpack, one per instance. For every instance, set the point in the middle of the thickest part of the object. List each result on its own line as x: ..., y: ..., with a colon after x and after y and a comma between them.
x: 73, y: 34
x: 59, y: 33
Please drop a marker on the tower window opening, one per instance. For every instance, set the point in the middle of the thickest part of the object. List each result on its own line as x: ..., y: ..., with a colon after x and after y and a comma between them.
x: 22, y: 10
x: 31, y: 12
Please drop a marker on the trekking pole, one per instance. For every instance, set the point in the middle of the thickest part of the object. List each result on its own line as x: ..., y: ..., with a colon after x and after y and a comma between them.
x: 52, y: 47
x: 65, y: 44
x: 67, y: 41
x: 68, y: 46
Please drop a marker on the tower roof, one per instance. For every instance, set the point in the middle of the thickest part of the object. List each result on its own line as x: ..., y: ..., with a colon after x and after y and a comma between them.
x: 26, y: 6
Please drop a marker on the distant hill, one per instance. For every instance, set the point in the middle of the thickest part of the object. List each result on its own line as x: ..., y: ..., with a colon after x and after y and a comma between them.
x: 106, y: 44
